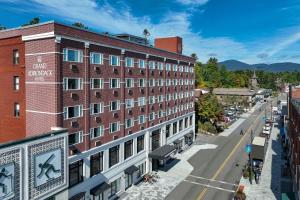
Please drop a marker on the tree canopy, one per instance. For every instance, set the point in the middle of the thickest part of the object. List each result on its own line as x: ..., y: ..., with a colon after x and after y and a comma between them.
x: 79, y: 25
x: 33, y: 21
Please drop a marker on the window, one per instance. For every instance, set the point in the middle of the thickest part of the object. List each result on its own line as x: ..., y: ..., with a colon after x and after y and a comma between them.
x: 152, y: 116
x: 151, y: 99
x: 161, y: 98
x: 96, y: 108
x: 16, y: 83
x: 96, y: 58
x: 96, y: 132
x: 160, y: 113
x: 192, y: 70
x: 114, y: 105
x: 128, y: 149
x: 152, y: 82
x: 17, y: 110
x: 140, y: 143
x: 72, y: 83
x: 181, y: 124
x: 155, y: 143
x: 168, y: 127
x: 96, y: 83
x: 114, y: 83
x: 114, y: 155
x: 96, y: 163
x: 129, y: 123
x: 129, y: 103
x: 129, y: 62
x: 16, y: 57
x: 142, y: 169
x: 115, y: 187
x: 160, y: 82
x: 142, y: 119
x: 72, y: 55
x: 141, y: 101
x: 142, y: 82
x: 160, y: 66
x: 174, y: 128
x: 174, y: 68
x: 114, y: 127
x: 129, y: 82
x: 114, y: 60
x: 191, y: 120
x: 75, y: 173
x: 73, y: 112
x: 151, y: 64
x: 141, y: 63
x: 168, y: 67
x: 76, y: 138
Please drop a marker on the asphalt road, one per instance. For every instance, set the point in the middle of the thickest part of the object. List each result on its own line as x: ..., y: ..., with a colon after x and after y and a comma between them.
x: 217, y: 171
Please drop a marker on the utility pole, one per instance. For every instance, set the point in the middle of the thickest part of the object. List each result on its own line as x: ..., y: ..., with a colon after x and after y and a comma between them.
x: 250, y: 159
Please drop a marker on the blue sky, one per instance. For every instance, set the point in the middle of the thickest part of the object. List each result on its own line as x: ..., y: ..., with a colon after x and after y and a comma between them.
x: 253, y: 31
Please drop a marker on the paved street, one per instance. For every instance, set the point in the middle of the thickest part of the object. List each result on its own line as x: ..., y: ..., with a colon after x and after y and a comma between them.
x: 217, y: 173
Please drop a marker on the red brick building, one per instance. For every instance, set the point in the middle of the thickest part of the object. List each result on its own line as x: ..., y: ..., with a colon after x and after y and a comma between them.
x: 118, y: 99
x: 293, y: 135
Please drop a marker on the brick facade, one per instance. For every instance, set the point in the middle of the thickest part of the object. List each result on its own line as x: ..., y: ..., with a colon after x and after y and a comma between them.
x: 11, y: 127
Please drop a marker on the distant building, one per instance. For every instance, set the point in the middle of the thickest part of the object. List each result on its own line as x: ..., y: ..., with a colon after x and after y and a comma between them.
x: 199, y: 92
x: 263, y: 93
x: 293, y: 140
x: 253, y: 81
x: 132, y: 38
x: 238, y: 96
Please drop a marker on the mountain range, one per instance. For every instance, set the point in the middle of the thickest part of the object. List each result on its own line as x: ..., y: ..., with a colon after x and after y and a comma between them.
x: 274, y: 67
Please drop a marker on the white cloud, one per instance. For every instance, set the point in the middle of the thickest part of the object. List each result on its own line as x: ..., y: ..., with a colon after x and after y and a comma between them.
x: 193, y: 2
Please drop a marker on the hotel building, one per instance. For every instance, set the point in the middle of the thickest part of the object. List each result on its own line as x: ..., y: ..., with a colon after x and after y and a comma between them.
x: 127, y: 106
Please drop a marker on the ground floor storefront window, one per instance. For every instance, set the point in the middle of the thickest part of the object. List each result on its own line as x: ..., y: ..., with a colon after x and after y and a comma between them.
x: 115, y: 187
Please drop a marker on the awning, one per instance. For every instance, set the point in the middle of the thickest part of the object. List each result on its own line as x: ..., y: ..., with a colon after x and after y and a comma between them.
x: 162, y: 152
x: 100, y: 188
x: 78, y: 196
x: 177, y: 141
x: 131, y: 169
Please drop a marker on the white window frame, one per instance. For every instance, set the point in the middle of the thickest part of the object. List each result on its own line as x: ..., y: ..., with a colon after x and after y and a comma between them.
x: 80, y: 137
x: 151, y: 64
x: 131, y: 62
x: 110, y: 60
x: 101, y: 83
x: 92, y: 61
x: 168, y: 67
x: 129, y: 105
x: 144, y: 82
x: 141, y: 101
x: 66, y: 110
x: 160, y: 66
x: 141, y: 63
x: 131, y: 83
x: 111, y: 125
x: 66, y: 86
x: 101, y: 108
x: 110, y: 83
x: 142, y: 117
x: 131, y: 123
x: 101, y: 132
x: 79, y: 56
x: 118, y: 105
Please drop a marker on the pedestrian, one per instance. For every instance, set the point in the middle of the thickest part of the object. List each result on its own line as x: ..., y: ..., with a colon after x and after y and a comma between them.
x: 241, y: 133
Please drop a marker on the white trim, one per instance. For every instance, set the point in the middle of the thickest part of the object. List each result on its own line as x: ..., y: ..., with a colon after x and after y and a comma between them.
x: 38, y: 36
x: 44, y: 83
x: 43, y: 53
x: 41, y: 112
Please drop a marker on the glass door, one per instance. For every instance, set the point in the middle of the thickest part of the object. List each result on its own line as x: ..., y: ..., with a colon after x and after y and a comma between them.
x: 128, y: 181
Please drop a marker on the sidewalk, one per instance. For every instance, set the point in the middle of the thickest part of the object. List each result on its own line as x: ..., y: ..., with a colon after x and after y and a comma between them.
x: 168, y: 180
x: 269, y: 187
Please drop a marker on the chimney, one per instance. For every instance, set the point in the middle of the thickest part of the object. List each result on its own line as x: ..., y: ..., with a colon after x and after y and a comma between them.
x: 173, y: 44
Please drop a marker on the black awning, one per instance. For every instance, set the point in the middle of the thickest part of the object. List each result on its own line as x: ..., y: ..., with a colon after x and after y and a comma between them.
x: 162, y: 152
x: 100, y: 188
x: 77, y: 196
x: 177, y: 141
x: 131, y: 169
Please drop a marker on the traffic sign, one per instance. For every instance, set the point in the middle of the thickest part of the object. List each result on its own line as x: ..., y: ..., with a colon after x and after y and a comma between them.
x: 248, y: 148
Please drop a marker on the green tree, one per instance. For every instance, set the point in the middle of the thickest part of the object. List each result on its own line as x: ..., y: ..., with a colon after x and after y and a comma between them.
x: 79, y: 25
x: 33, y: 21
x: 194, y: 55
x: 2, y: 27
x: 208, y: 108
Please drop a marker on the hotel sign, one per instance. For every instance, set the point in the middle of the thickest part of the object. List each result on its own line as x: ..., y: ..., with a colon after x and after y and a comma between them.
x: 40, y: 70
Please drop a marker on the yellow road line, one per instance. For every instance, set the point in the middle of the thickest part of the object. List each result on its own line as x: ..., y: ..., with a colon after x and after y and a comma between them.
x: 201, y: 195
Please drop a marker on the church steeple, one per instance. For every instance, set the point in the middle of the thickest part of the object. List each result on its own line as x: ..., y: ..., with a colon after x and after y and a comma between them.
x: 253, y: 81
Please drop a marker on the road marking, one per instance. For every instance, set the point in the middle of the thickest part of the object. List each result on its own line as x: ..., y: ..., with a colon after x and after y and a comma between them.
x: 201, y: 195
x: 223, y: 182
x: 209, y: 186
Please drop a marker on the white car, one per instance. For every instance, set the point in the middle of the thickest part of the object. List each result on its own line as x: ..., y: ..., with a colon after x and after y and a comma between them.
x: 267, y: 128
x: 266, y: 132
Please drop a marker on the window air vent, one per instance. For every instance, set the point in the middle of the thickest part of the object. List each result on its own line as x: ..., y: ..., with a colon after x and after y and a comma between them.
x: 97, y: 69
x: 74, y: 68
x: 115, y: 93
x: 98, y: 119
x: 115, y: 71
x: 97, y: 94
x: 130, y: 92
x: 116, y: 115
x: 142, y: 109
x: 142, y: 91
x: 98, y: 143
x: 74, y: 124
x: 130, y: 112
x: 115, y: 137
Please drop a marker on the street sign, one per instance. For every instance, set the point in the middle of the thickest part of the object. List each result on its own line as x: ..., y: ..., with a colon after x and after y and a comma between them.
x: 248, y: 148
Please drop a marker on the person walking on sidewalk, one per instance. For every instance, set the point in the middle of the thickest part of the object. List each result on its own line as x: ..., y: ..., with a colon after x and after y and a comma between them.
x: 242, y: 132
